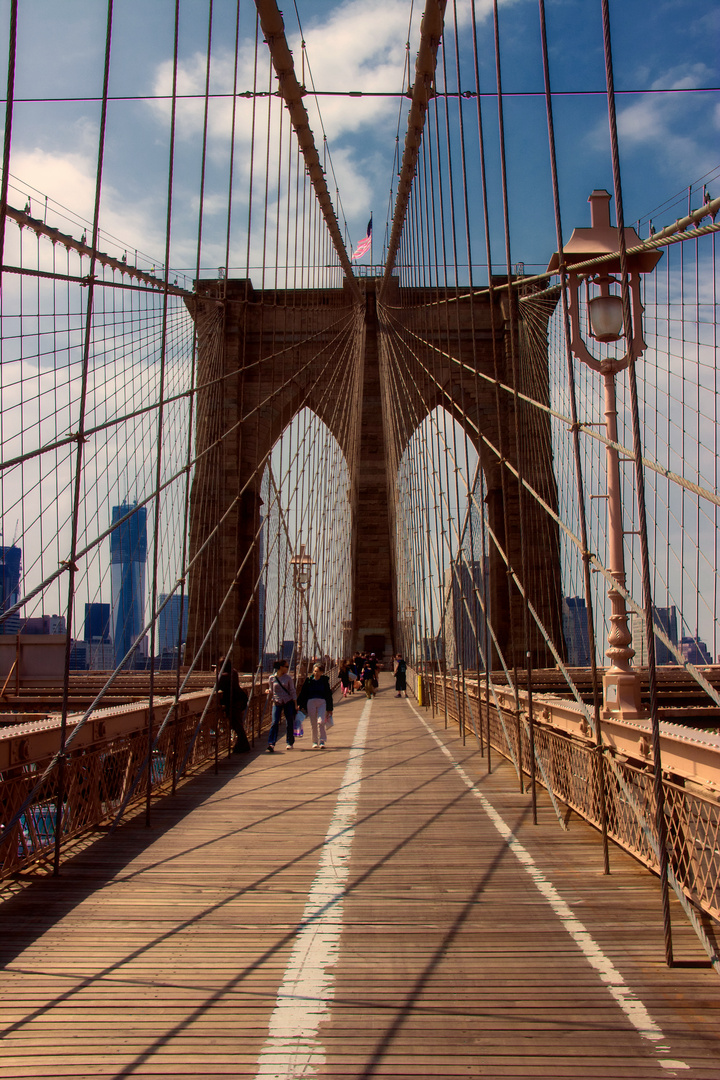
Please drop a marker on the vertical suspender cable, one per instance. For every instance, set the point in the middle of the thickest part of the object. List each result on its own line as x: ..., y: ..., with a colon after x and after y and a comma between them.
x: 579, y: 482
x: 161, y: 415
x: 193, y: 371
x: 7, y: 141
x: 660, y: 822
x: 468, y: 249
x: 71, y: 565
x: 512, y: 319
x: 491, y: 297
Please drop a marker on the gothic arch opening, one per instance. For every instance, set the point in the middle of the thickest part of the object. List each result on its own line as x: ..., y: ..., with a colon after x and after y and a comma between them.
x: 440, y: 545
x: 305, y: 545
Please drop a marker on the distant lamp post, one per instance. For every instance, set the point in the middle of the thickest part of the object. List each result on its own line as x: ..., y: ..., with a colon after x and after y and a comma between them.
x: 408, y: 636
x: 621, y: 684
x: 301, y: 564
x: 302, y: 572
x: 346, y: 637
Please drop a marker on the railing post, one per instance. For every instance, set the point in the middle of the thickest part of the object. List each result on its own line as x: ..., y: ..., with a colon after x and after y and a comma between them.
x: 531, y: 724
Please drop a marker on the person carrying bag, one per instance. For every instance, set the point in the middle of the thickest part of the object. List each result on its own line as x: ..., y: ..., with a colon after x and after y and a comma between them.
x: 315, y: 699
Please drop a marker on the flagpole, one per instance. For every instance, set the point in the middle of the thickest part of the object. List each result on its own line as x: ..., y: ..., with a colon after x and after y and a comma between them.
x: 371, y: 239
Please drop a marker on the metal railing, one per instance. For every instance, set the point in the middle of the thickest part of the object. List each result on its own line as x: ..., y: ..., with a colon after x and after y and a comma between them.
x: 106, y: 773
x: 106, y: 768
x: 572, y: 770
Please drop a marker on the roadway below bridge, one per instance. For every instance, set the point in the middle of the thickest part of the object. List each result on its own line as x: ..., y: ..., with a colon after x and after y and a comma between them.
x: 383, y: 907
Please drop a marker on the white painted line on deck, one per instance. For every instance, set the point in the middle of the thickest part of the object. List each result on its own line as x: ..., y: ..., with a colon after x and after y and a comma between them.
x: 626, y: 998
x: 292, y: 1049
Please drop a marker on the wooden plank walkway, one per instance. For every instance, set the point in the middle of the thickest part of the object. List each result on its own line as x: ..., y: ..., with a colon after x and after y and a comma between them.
x: 352, y: 912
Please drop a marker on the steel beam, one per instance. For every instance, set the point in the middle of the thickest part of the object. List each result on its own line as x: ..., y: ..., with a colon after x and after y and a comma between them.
x: 292, y: 93
x: 431, y: 29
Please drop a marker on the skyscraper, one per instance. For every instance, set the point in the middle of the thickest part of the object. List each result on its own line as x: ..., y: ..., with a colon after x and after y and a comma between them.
x: 575, y: 631
x: 695, y: 651
x: 169, y: 622
x: 128, y: 555
x: 666, y: 619
x: 97, y: 623
x: 465, y: 642
x: 10, y: 587
x: 100, y: 653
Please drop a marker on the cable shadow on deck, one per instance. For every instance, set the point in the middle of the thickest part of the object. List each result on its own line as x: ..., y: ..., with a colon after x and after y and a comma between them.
x: 258, y: 963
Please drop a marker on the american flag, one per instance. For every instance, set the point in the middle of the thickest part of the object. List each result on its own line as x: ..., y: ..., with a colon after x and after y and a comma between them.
x: 364, y: 245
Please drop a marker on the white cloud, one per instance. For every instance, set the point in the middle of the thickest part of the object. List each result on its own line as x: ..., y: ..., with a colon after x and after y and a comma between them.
x: 69, y: 178
x: 657, y: 124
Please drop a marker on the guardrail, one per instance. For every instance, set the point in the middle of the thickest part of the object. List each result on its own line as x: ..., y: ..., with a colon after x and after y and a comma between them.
x: 105, y: 768
x: 568, y: 764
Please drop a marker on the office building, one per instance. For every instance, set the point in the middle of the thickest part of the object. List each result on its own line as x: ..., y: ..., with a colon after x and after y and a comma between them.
x: 128, y: 555
x: 465, y: 625
x: 79, y: 655
x: 97, y: 623
x: 575, y: 631
x: 100, y: 652
x: 666, y: 619
x: 695, y: 651
x: 169, y: 618
x: 43, y: 624
x: 10, y: 560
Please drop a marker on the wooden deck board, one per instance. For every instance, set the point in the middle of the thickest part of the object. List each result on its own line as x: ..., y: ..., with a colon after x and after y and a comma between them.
x: 160, y: 952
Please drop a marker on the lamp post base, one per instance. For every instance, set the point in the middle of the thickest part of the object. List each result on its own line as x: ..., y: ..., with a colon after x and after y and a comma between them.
x: 621, y: 696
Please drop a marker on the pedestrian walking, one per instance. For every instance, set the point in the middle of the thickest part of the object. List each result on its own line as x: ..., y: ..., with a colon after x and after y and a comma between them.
x: 284, y: 698
x: 315, y: 699
x: 234, y: 702
x: 344, y: 676
x: 400, y: 676
x: 367, y: 677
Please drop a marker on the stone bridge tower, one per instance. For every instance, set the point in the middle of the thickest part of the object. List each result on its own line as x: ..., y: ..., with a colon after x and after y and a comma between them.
x: 260, y: 355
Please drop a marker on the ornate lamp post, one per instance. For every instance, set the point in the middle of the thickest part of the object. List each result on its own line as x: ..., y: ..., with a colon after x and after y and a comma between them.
x: 408, y: 632
x: 621, y: 684
x: 301, y: 564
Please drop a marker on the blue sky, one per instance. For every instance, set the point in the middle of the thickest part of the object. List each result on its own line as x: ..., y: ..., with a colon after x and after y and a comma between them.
x: 668, y: 140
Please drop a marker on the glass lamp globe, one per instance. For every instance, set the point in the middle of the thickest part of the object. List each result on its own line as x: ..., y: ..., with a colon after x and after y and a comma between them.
x: 606, y: 317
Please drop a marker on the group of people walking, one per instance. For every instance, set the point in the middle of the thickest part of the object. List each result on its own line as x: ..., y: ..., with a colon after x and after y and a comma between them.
x: 315, y: 698
x: 361, y: 673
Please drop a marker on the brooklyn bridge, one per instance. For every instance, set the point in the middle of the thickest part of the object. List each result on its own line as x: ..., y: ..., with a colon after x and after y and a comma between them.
x: 475, y: 439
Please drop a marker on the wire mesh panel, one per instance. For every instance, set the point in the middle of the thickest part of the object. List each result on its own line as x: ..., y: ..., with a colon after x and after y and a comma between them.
x: 571, y: 772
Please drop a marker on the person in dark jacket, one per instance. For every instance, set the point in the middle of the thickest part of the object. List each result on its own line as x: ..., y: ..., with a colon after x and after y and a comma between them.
x: 400, y: 676
x: 315, y: 699
x: 344, y: 677
x: 367, y: 677
x: 234, y: 703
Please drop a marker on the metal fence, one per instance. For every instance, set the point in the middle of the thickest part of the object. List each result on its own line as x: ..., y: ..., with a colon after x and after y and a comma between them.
x: 576, y: 774
x: 108, y: 776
